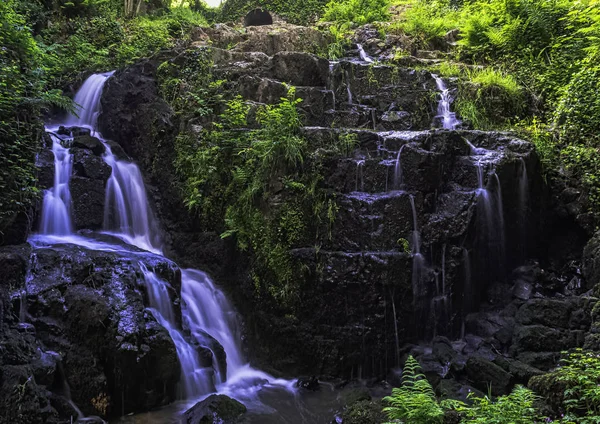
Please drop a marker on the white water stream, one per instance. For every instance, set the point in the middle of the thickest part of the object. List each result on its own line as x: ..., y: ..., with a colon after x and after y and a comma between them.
x: 207, y: 313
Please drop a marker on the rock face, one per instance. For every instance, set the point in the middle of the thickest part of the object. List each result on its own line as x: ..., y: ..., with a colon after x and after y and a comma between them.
x: 430, y: 223
x: 215, y: 409
x: 75, y: 325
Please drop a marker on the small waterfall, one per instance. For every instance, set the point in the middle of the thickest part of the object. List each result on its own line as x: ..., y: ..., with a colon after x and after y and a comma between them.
x: 127, y: 211
x: 359, y: 175
x: 196, y: 380
x: 88, y: 101
x: 444, y: 268
x: 398, y: 169
x: 490, y: 224
x: 348, y: 90
x: 448, y: 118
x: 56, y: 209
x: 523, y: 206
x: 467, y: 291
x: 207, y: 310
x: 396, y: 336
x: 363, y: 55
x: 418, y: 259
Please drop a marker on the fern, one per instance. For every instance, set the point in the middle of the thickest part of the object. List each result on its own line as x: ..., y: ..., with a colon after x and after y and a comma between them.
x: 414, y: 402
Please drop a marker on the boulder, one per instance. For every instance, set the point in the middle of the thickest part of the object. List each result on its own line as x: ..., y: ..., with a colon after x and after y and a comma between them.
x: 486, y: 375
x: 88, y: 165
x: 89, y: 143
x: 87, y: 305
x: 548, y: 312
x: 215, y: 409
x: 302, y: 69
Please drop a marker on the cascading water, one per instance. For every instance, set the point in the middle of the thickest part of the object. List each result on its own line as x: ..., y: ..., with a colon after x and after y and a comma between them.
x: 197, y: 380
x: 87, y: 99
x: 56, y: 209
x: 363, y: 55
x: 205, y: 310
x: 418, y: 259
x: 490, y: 223
x: 398, y: 169
x: 208, y: 311
x: 448, y: 118
x: 523, y: 207
x: 360, y: 183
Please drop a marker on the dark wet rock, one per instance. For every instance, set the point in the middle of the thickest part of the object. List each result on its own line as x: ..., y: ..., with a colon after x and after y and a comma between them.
x: 443, y: 350
x: 88, y: 165
x: 541, y: 360
x: 591, y: 261
x: 485, y: 375
x: 88, y: 198
x: 45, y: 168
x: 215, y: 409
x: 88, y: 306
x: 73, y: 131
x: 308, y: 383
x: 88, y: 142
x: 548, y: 312
x: 300, y: 69
x: 539, y: 338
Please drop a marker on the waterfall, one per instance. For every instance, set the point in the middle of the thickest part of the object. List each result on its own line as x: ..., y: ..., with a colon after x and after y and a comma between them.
x: 196, y: 380
x: 348, y: 88
x: 127, y: 212
x: 490, y: 223
x: 523, y: 206
x: 87, y: 100
x: 398, y: 169
x: 360, y: 183
x: 363, y: 55
x: 206, y: 312
x: 56, y: 209
x: 448, y: 118
x: 418, y: 259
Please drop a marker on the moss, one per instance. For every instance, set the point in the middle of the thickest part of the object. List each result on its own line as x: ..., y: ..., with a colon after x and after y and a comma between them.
x: 364, y: 412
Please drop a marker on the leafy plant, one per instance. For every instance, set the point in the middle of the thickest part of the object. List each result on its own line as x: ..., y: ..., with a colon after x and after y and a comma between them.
x: 415, y: 401
x: 515, y: 408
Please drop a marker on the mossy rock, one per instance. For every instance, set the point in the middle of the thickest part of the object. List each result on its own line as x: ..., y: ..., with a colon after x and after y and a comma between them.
x: 213, y: 409
x: 550, y: 388
x: 364, y: 412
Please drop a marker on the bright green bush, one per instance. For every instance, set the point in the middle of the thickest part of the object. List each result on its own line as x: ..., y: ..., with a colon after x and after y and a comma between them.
x: 356, y: 12
x: 425, y: 21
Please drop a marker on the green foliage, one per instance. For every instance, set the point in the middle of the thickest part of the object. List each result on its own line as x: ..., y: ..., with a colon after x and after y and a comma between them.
x: 414, y: 402
x: 106, y: 42
x: 579, y: 371
x: 22, y: 99
x: 426, y: 21
x: 488, y: 98
x: 515, y: 408
x: 356, y: 12
x: 232, y: 172
x: 293, y: 11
